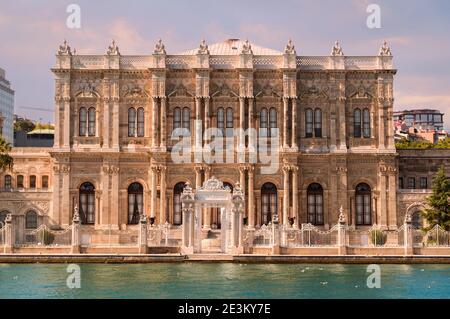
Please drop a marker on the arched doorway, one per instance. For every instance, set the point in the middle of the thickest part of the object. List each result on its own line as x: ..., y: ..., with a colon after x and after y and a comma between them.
x: 216, y: 222
x: 135, y: 203
x: 315, y: 204
x: 363, y: 205
x: 87, y: 204
x: 177, y: 213
x: 3, y: 215
x: 269, y: 202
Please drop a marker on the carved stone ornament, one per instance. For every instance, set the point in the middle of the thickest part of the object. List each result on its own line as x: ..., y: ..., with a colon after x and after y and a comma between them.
x: 76, y: 214
x: 290, y: 48
x: 203, y: 48
x: 64, y: 49
x: 385, y: 50
x: 337, y: 50
x: 341, y: 215
x: 247, y: 48
x: 159, y: 48
x: 213, y: 184
x: 113, y: 49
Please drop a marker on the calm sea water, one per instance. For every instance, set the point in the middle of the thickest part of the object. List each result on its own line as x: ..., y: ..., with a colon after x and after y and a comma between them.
x: 196, y: 280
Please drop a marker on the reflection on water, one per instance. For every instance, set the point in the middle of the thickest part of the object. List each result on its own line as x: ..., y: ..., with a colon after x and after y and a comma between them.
x: 224, y: 280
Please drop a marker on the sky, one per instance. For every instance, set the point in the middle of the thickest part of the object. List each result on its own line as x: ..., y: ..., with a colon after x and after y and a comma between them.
x: 417, y: 32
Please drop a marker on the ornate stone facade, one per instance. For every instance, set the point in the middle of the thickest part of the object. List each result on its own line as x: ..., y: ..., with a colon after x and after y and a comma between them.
x: 115, y: 115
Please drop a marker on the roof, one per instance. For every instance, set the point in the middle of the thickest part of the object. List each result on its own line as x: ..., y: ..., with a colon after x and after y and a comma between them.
x: 41, y: 131
x: 233, y: 47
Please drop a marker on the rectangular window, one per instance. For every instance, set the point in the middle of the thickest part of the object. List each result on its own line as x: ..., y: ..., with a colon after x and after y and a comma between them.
x: 32, y: 181
x: 44, y: 181
x: 411, y: 183
x: 20, y: 181
x: 400, y: 183
x: 423, y: 183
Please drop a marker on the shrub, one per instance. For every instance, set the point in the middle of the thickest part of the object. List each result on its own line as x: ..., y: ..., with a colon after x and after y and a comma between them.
x: 377, y: 237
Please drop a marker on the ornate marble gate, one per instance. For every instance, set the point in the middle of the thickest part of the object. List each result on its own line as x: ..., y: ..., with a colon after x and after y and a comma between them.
x: 213, y: 194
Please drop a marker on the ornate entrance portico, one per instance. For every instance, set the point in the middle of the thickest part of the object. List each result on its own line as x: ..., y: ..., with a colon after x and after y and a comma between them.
x: 213, y: 195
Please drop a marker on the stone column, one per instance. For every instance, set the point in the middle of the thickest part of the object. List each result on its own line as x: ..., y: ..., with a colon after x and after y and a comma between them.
x: 408, y: 236
x: 207, y: 119
x: 251, y: 198
x: 250, y: 125
x: 242, y: 170
x: 392, y: 198
x: 241, y: 122
x: 153, y: 191
x: 342, y: 233
x: 106, y: 121
x: 163, y: 133
x: 198, y: 177
x: 286, y: 170
x: 154, y: 122
x: 66, y: 133
x: 295, y: 195
x: 162, y: 203
x: 142, y: 235
x: 294, y: 124
x: 383, y: 200
x: 115, y: 124
x: 198, y: 117
x: 285, y: 123
x: 75, y: 232
x: 342, y: 124
x: 9, y: 235
x: 207, y: 219
x: 65, y: 198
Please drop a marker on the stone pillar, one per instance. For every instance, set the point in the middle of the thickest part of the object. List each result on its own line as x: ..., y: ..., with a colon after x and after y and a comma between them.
x: 381, y: 115
x: 295, y: 195
x: 154, y: 122
x: 242, y: 182
x: 9, y: 235
x: 163, y: 133
x: 276, y: 238
x: 251, y: 136
x: 65, y: 198
x: 408, y: 236
x: 286, y: 170
x: 153, y: 199
x: 207, y: 219
x: 198, y: 117
x: 207, y: 114
x: 342, y: 233
x: 392, y: 199
x: 162, y: 203
x: 294, y: 124
x: 251, y: 198
x: 116, y: 124
x: 285, y: 123
x: 383, y: 200
x: 241, y: 123
x: 342, y: 124
x: 143, y: 235
x: 76, y: 232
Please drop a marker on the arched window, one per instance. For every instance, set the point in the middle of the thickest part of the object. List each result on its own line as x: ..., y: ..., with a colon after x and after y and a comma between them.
x: 91, y: 122
x: 269, y: 202
x: 3, y: 216
x: 82, y: 122
x: 176, y: 118
x: 20, y: 183
x: 31, y: 220
x: 273, y: 122
x: 140, y: 122
x: 135, y: 203
x: 186, y: 123
x: 315, y: 204
x: 318, y: 123
x: 131, y: 122
x: 221, y: 120
x: 357, y: 123
x: 229, y: 124
x: 177, y: 214
x: 363, y: 204
x: 33, y: 181
x: 263, y: 125
x: 308, y: 123
x: 87, y: 203
x: 366, y: 123
x: 8, y: 183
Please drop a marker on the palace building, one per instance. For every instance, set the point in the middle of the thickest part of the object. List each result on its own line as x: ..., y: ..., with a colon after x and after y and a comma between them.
x: 113, y: 152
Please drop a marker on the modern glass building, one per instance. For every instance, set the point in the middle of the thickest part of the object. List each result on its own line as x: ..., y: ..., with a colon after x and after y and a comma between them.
x: 6, y: 108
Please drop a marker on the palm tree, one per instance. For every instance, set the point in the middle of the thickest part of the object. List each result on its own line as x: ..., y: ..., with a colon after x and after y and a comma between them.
x: 6, y: 161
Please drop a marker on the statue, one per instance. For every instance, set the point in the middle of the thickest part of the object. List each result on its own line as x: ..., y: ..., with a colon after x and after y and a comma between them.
x: 385, y: 50
x: 290, y: 48
x: 159, y: 48
x: 247, y: 48
x: 113, y: 49
x: 337, y: 50
x: 203, y: 48
x: 64, y: 49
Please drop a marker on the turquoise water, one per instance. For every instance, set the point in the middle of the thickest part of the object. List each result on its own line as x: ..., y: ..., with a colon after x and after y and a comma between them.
x: 197, y: 280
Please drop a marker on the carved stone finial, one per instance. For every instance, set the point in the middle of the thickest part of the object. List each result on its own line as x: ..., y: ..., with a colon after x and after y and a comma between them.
x: 337, y: 50
x: 76, y: 214
x: 290, y: 48
x: 159, y: 47
x: 341, y: 215
x: 408, y: 218
x: 113, y: 49
x: 203, y: 48
x: 385, y: 50
x: 187, y: 188
x: 64, y: 49
x: 247, y: 48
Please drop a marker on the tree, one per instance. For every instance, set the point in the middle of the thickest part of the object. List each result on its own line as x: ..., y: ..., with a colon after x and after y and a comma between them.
x: 25, y: 125
x: 438, y: 212
x: 6, y: 161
